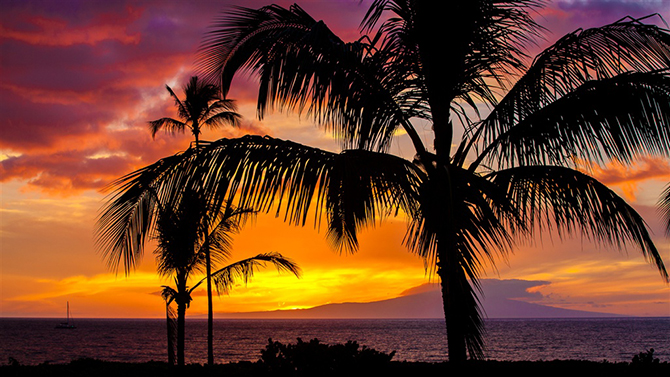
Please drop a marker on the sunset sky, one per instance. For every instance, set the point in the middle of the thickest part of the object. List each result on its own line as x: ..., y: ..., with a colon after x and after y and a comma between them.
x: 80, y: 79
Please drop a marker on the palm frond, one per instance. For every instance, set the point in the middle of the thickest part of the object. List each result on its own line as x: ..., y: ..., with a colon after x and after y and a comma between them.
x: 355, y: 93
x: 613, y: 118
x: 221, y: 229
x: 579, y: 57
x: 487, y: 221
x: 181, y: 107
x: 571, y: 201
x: 223, y: 118
x: 168, y: 294
x: 226, y: 277
x: 201, y: 106
x: 492, y: 37
x: 128, y: 217
x: 353, y: 188
x: 170, y: 125
x: 230, y: 45
x: 179, y: 231
x: 664, y: 206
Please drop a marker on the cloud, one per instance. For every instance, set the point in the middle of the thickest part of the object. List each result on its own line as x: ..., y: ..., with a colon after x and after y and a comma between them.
x: 628, y: 177
x: 561, y: 17
x: 645, y: 168
x: 580, y: 8
x: 58, y: 32
x: 85, y: 78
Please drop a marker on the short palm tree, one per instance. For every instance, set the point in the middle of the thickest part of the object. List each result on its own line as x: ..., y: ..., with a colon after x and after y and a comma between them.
x: 202, y: 106
x: 595, y: 95
x: 168, y: 294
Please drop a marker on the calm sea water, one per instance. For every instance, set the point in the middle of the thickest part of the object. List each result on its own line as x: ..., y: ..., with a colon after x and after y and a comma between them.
x: 34, y: 341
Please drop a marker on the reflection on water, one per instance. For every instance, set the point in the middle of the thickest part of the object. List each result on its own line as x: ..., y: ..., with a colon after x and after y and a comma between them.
x: 34, y: 341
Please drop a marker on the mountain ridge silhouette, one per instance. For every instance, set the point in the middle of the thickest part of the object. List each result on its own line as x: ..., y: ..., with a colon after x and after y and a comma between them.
x: 501, y: 299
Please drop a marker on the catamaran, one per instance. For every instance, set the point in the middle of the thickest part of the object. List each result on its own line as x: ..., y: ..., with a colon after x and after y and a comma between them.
x: 67, y: 324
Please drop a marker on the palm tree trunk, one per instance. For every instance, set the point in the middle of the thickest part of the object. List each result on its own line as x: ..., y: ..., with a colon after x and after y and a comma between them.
x: 455, y: 288
x: 181, y: 324
x: 451, y: 283
x: 210, y: 310
x: 182, y: 300
x: 170, y: 335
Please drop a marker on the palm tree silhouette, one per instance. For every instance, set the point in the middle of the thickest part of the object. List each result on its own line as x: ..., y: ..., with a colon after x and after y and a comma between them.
x: 595, y: 95
x: 202, y: 106
x: 218, y: 228
x: 181, y: 252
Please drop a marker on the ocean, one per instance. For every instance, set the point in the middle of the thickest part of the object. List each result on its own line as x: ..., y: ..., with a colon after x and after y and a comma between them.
x: 35, y: 341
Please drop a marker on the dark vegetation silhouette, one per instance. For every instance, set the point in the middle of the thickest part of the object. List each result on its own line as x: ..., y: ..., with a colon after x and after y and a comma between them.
x: 524, y: 135
x: 314, y: 358
x: 664, y: 205
x: 201, y: 107
x: 645, y: 358
x: 169, y: 294
x: 297, y: 360
x: 188, y: 231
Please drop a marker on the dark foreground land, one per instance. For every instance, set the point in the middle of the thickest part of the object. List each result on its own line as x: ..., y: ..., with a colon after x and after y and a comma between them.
x: 97, y: 368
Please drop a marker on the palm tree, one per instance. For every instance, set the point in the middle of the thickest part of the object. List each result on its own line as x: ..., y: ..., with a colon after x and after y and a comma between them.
x: 218, y: 227
x: 201, y: 107
x: 595, y: 95
x: 178, y: 255
x: 183, y: 246
x: 225, y: 278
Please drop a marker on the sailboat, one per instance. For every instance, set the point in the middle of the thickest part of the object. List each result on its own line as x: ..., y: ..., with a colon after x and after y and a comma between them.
x: 67, y: 324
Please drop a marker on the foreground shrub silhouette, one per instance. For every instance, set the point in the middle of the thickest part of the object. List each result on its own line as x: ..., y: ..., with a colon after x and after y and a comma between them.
x: 316, y: 358
x: 645, y: 358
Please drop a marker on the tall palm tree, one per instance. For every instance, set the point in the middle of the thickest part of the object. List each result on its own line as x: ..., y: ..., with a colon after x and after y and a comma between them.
x: 202, y: 106
x: 218, y: 228
x: 595, y: 95
x: 225, y: 278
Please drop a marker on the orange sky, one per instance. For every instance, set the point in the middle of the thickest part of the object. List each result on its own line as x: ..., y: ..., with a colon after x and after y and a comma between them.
x: 78, y: 83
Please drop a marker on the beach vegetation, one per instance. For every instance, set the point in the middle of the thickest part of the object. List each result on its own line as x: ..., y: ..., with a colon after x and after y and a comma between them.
x: 201, y: 107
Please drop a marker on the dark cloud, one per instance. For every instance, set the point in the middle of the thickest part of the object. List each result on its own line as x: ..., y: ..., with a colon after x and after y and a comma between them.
x: 605, y: 8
